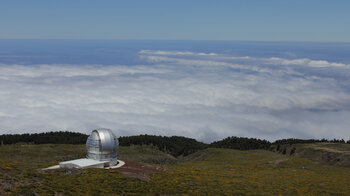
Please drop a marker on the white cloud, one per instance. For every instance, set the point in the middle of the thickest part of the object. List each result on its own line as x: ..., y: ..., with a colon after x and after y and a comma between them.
x: 304, y: 62
x: 206, y: 97
x: 175, y: 53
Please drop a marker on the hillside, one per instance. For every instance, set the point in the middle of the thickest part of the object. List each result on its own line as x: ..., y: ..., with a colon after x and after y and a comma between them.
x: 327, y: 153
x: 174, y: 145
x: 211, y: 171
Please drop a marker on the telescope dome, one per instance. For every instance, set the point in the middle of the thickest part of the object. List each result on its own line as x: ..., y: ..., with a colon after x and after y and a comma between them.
x: 102, y: 145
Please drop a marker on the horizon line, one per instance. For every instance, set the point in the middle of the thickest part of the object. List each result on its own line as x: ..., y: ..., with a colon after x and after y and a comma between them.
x: 199, y: 40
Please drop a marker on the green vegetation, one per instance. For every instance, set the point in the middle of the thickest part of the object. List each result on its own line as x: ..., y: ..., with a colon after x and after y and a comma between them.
x: 322, y: 152
x: 211, y: 171
x: 174, y: 145
x: 241, y: 143
x: 60, y: 137
x: 146, y: 154
x: 308, y: 141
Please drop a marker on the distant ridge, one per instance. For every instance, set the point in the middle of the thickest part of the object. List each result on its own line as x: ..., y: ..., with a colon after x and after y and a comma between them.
x: 174, y: 145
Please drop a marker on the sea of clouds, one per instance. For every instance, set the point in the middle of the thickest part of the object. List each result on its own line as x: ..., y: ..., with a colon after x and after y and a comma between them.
x: 207, y: 96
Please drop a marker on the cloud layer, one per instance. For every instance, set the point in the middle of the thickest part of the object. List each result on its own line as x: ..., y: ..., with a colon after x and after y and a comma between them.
x: 207, y: 96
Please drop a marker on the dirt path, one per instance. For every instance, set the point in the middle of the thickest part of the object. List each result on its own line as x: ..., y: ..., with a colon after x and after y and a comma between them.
x: 138, y: 170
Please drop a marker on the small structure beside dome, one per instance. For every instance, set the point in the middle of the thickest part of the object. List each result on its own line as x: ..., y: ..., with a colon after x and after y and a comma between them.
x: 102, y: 152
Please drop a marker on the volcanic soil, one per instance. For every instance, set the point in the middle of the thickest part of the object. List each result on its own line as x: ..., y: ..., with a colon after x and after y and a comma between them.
x: 138, y: 170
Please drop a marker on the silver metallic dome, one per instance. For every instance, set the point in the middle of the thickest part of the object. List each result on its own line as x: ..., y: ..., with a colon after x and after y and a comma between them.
x: 102, y: 145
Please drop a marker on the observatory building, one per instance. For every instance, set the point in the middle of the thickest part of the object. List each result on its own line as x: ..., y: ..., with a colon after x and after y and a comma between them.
x: 102, y: 145
x: 102, y: 152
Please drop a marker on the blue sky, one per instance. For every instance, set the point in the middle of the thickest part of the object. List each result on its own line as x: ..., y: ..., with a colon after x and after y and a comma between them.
x: 177, y: 20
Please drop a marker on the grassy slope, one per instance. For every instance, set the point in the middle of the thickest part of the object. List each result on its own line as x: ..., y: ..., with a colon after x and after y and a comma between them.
x: 331, y: 147
x: 327, y: 153
x: 211, y: 171
x: 145, y: 154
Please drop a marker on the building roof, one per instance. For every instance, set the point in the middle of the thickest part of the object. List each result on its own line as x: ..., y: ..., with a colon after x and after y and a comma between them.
x: 83, y: 163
